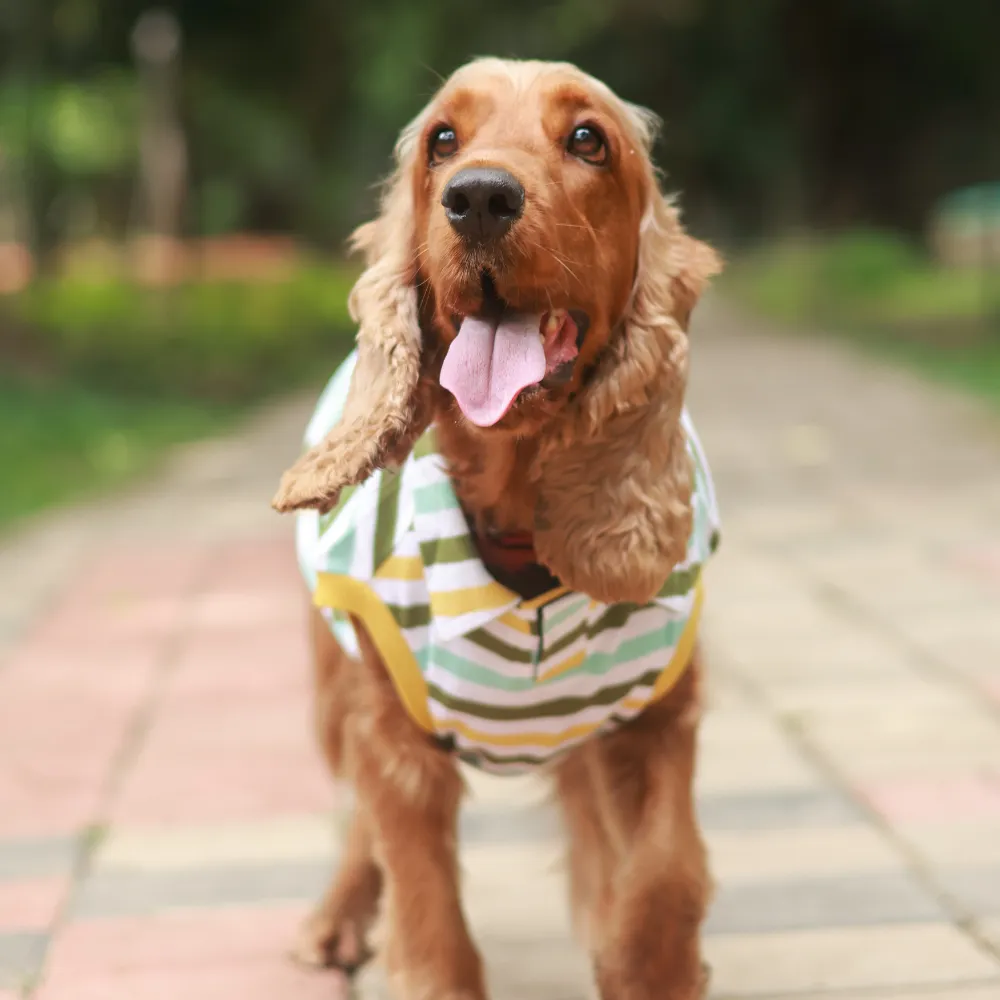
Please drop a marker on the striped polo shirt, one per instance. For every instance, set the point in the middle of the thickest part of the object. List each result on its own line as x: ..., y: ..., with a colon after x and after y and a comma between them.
x: 508, y: 682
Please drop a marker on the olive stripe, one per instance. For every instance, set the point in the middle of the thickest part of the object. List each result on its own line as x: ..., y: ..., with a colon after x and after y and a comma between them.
x: 557, y: 708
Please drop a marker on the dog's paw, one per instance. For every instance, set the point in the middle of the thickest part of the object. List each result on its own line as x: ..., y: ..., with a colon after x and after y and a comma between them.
x: 320, y: 945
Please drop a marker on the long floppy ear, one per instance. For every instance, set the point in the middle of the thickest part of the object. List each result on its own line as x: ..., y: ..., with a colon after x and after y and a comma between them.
x: 389, y: 403
x: 614, y: 505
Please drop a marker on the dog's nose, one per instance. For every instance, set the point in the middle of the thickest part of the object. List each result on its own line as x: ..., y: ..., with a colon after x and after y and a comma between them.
x: 482, y: 203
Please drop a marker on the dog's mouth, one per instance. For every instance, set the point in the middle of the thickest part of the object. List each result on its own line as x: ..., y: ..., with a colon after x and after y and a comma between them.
x: 503, y: 351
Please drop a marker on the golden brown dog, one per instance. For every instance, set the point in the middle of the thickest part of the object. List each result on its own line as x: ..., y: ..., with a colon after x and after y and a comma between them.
x: 523, y: 190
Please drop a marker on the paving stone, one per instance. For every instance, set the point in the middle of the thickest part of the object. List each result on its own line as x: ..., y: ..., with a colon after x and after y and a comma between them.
x: 126, y: 893
x: 778, y: 810
x: 21, y: 956
x: 986, y: 991
x: 36, y: 857
x: 969, y: 796
x: 844, y: 901
x: 976, y: 889
x: 31, y: 905
x: 952, y: 841
x: 878, y: 960
x: 762, y: 855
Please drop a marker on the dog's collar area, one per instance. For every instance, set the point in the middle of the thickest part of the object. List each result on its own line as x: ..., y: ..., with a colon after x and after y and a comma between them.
x: 509, y: 557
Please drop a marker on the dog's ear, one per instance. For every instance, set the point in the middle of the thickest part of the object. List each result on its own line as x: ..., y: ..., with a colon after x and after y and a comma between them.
x: 389, y: 403
x: 614, y: 507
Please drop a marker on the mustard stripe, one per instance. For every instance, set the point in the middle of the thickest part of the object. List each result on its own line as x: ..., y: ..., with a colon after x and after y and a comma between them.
x: 512, y: 620
x: 356, y: 598
x: 548, y: 740
x: 683, y: 650
x: 452, y: 603
x: 401, y: 568
x: 535, y: 603
x: 570, y: 663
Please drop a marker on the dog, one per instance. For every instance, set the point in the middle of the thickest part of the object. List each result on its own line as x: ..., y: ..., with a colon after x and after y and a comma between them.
x: 504, y: 515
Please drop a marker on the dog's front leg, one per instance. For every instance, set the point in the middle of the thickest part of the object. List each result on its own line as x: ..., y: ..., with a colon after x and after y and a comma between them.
x: 641, y: 883
x: 410, y: 792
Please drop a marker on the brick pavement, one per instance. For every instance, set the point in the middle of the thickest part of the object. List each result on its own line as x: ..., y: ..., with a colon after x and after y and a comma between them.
x: 165, y: 821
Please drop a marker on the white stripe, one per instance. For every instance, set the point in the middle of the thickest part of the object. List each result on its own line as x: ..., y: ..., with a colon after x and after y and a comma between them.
x: 594, y: 718
x: 570, y: 685
x: 401, y: 593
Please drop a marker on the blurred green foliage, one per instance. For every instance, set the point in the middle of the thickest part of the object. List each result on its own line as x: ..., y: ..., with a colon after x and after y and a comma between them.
x: 867, y: 277
x: 880, y: 290
x: 99, y: 377
x: 779, y: 113
x: 61, y: 441
x: 227, y: 342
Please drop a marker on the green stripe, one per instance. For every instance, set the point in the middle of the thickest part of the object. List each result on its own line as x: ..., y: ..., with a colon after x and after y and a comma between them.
x: 574, y: 607
x: 477, y: 673
x: 385, y: 516
x: 486, y: 640
x: 411, y: 615
x: 681, y: 582
x: 434, y: 498
x: 325, y: 520
x: 340, y: 557
x: 426, y: 445
x: 556, y: 708
x: 616, y: 616
x: 525, y: 760
x: 448, y: 550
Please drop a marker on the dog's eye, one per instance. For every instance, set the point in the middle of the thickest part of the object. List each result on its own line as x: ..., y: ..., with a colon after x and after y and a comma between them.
x: 587, y: 143
x: 443, y: 143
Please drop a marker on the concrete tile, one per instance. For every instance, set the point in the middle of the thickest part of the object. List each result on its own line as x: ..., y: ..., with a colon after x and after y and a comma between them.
x: 875, y: 959
x: 954, y: 842
x: 277, y: 839
x: 990, y: 929
x: 31, y: 905
x: 254, y: 978
x: 776, y: 811
x: 759, y: 856
x: 723, y: 770
x: 21, y: 956
x: 844, y: 901
x: 986, y: 991
x: 965, y: 797
x: 977, y: 890
x: 129, y: 893
x: 102, y: 950
x: 36, y: 857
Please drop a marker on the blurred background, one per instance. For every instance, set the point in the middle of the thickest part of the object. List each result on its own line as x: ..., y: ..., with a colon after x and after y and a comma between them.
x: 176, y: 185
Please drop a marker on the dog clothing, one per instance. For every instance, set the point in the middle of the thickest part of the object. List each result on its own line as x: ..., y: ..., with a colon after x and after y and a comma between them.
x: 507, y: 682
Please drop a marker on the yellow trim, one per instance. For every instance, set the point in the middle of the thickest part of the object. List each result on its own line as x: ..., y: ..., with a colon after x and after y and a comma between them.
x: 507, y: 740
x: 536, y: 602
x: 401, y: 568
x: 683, y: 650
x: 512, y: 620
x: 453, y: 603
x: 568, y: 664
x: 356, y: 598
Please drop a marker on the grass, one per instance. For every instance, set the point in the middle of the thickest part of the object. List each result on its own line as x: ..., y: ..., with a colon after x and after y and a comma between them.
x: 99, y: 379
x: 59, y: 441
x: 883, y: 294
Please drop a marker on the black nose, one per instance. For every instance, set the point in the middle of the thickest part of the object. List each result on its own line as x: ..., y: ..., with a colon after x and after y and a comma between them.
x: 482, y: 203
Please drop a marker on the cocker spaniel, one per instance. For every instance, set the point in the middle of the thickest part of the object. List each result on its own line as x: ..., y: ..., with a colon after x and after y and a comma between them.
x: 504, y: 516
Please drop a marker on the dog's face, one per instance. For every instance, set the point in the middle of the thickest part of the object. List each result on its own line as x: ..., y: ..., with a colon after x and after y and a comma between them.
x: 530, y: 182
x: 526, y: 276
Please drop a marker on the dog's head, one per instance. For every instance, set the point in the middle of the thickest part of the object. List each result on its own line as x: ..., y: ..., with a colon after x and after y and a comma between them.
x: 525, y: 276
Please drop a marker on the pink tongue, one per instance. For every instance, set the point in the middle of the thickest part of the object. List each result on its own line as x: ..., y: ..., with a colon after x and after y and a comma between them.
x: 489, y: 363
